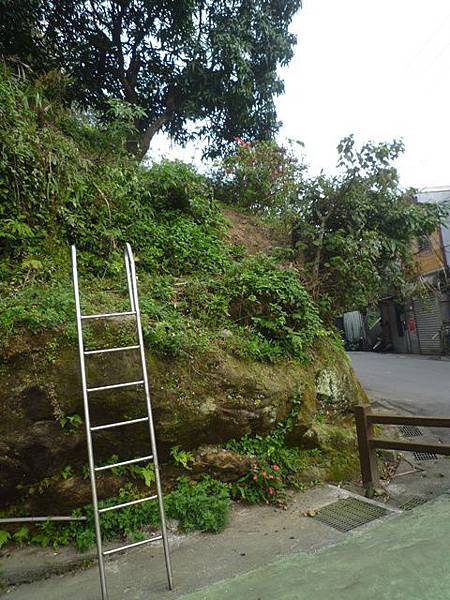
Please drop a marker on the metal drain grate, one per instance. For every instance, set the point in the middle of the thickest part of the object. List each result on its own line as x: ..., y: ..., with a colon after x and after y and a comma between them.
x: 421, y: 456
x: 349, y: 513
x: 410, y: 431
x: 413, y: 502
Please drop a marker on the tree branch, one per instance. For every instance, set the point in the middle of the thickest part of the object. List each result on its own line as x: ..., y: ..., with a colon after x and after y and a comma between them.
x: 151, y: 131
x: 316, y: 264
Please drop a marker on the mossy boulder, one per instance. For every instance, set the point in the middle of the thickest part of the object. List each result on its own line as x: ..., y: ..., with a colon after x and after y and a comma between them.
x: 204, y: 400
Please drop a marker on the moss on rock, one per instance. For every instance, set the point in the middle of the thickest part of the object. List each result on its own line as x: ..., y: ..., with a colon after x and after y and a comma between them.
x: 203, y: 400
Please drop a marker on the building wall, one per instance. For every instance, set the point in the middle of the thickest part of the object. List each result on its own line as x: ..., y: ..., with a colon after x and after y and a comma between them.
x: 430, y: 259
x: 417, y: 327
x: 429, y: 262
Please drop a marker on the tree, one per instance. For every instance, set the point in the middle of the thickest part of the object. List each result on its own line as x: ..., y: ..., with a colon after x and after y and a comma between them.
x: 19, y: 32
x: 208, y: 62
x: 261, y: 176
x: 355, y: 231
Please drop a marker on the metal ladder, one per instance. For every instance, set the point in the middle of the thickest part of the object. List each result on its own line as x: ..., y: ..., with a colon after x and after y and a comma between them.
x: 133, y: 312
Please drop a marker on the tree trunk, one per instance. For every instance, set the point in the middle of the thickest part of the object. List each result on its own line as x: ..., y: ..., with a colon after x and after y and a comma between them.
x: 317, y: 258
x: 139, y: 147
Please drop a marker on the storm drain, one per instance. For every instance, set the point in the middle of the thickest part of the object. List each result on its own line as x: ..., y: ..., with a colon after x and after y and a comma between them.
x: 349, y: 513
x: 410, y: 431
x: 413, y: 502
x: 421, y: 456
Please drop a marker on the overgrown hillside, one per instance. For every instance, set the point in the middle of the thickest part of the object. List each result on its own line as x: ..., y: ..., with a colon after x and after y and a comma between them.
x: 236, y: 346
x: 65, y: 180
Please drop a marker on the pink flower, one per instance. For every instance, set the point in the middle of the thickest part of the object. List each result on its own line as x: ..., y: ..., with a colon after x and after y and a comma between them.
x: 277, y: 478
x: 255, y: 477
x: 270, y: 476
x: 264, y: 474
x: 276, y: 468
x: 241, y: 142
x: 270, y: 491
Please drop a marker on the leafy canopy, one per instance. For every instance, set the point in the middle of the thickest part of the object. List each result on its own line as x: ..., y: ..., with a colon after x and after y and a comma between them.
x: 354, y: 231
x: 202, y: 61
x: 261, y: 176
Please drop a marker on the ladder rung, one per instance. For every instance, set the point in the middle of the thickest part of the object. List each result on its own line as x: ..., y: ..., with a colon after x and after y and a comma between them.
x: 153, y: 539
x: 116, y: 506
x: 124, y: 462
x: 119, y: 424
x: 105, y: 350
x: 115, y: 386
x: 108, y: 315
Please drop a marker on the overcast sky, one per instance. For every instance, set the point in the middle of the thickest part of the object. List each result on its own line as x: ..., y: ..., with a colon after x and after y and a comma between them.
x: 380, y: 70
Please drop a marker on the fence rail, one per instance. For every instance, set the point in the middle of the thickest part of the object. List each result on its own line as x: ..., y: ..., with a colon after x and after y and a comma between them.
x: 368, y: 444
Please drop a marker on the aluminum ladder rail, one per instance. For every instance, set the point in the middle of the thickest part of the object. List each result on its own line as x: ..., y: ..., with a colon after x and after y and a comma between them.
x: 93, y: 469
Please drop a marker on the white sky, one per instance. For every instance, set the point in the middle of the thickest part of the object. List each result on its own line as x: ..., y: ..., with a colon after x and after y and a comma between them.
x: 378, y: 69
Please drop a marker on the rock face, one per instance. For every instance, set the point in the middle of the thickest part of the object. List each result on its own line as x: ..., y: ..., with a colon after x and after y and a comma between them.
x: 220, y: 463
x: 206, y: 400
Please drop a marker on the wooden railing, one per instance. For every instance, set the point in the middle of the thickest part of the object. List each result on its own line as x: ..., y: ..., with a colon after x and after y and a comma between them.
x: 368, y: 444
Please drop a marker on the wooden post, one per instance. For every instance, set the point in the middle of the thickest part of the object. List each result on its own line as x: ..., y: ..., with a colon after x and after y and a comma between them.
x: 367, y: 453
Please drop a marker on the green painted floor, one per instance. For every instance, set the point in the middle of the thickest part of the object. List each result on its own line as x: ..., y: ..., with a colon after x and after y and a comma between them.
x: 407, y: 557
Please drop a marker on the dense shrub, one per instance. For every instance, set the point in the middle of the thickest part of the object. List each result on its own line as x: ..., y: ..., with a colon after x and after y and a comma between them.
x: 64, y: 179
x: 200, y: 505
x: 272, y: 300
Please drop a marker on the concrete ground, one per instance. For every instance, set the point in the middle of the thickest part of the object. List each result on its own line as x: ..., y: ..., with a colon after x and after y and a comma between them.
x: 417, y: 384
x: 403, y: 558
x: 406, y: 556
x: 255, y: 536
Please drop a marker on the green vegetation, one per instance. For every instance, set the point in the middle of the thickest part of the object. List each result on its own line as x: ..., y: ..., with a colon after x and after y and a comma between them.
x: 351, y: 234
x: 262, y: 177
x: 213, y: 64
x: 5, y: 536
x: 277, y: 465
x: 64, y: 179
x: 182, y: 457
x: 202, y: 505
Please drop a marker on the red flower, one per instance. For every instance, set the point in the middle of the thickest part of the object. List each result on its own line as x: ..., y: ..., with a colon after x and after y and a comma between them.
x: 276, y: 468
x: 270, y: 491
x: 264, y: 474
x: 34, y: 306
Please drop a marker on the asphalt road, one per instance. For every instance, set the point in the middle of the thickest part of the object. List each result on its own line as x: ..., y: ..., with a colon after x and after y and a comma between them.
x: 416, y: 384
